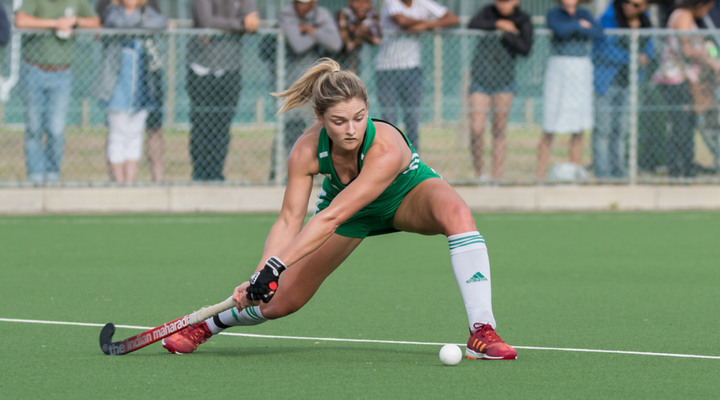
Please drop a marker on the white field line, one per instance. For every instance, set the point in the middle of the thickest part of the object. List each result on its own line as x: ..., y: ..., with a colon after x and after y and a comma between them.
x: 640, y: 353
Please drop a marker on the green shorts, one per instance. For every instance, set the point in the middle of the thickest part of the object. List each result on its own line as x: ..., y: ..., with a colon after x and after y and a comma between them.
x: 377, y: 217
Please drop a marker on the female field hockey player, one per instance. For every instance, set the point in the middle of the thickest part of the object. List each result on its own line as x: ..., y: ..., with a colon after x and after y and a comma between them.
x: 375, y: 183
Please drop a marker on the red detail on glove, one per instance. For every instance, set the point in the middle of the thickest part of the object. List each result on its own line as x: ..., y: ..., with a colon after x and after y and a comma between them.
x: 273, y: 286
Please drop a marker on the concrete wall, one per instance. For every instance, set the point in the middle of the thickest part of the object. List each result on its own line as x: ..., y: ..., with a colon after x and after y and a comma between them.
x: 190, y: 199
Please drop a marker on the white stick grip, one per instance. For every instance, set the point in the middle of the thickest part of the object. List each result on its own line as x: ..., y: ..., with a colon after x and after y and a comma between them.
x: 209, y: 311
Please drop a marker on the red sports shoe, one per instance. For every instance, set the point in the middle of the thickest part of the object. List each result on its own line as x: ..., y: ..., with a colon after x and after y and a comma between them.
x: 187, y: 340
x: 486, y: 344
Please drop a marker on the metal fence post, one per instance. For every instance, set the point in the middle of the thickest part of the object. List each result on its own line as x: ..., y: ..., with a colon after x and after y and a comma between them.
x: 172, y: 71
x: 15, y: 57
x: 437, y: 79
x: 279, y: 156
x: 463, y: 134
x: 633, y: 106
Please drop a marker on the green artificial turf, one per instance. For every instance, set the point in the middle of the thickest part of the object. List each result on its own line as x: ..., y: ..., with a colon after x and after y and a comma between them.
x: 645, y: 282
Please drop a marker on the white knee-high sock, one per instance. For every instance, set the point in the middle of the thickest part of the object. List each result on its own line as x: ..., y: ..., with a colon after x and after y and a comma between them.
x: 471, y: 266
x: 235, y: 317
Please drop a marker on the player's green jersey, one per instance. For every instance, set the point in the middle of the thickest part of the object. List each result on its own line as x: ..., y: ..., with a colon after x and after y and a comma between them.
x: 376, y: 217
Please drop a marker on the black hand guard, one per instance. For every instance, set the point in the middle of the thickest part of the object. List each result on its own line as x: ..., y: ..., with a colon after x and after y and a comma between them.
x: 266, y: 280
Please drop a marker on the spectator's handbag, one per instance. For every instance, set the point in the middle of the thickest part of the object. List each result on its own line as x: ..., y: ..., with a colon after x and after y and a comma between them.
x: 702, y: 95
x: 153, y: 76
x: 153, y: 59
x: 702, y: 89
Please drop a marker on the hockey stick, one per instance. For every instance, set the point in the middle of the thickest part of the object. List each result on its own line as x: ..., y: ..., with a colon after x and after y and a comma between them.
x: 153, y: 335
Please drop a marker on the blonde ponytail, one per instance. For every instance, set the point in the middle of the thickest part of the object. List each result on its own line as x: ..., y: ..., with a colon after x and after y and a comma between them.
x: 323, y: 85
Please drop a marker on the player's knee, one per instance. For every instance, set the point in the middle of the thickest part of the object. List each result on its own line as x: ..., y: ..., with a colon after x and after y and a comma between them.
x: 457, y: 218
x: 278, y: 309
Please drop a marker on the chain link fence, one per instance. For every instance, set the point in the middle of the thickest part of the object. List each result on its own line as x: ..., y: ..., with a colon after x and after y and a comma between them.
x: 115, y: 100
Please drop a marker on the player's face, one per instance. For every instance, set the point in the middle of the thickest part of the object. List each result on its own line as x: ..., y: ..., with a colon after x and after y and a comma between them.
x: 345, y: 123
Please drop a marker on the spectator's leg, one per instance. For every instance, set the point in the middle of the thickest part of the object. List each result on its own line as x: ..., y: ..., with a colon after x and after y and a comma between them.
x: 576, y: 148
x: 479, y: 109
x: 200, y: 123
x: 688, y: 143
x: 681, y: 152
x: 618, y: 140
x: 228, y: 93
x: 135, y: 128
x: 710, y: 133
x: 33, y: 102
x: 601, y: 134
x: 59, y: 91
x: 501, y: 104
x: 155, y: 153
x: 544, y: 154
x: 672, y: 110
x: 154, y: 124
x: 387, y: 93
x: 411, y: 95
x: 653, y: 127
x: 215, y: 135
x: 117, y: 125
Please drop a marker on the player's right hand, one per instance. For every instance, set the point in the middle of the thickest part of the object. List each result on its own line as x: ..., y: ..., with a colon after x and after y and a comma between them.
x: 265, y: 282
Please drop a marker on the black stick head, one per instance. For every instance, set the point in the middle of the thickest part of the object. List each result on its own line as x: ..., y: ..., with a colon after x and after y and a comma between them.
x: 106, y: 338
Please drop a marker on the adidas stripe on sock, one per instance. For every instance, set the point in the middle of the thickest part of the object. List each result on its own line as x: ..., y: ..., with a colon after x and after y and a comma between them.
x: 469, y: 258
x: 234, y: 317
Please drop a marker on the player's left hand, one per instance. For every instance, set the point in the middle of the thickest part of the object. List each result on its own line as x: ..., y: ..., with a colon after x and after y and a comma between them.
x: 240, y: 297
x: 265, y: 282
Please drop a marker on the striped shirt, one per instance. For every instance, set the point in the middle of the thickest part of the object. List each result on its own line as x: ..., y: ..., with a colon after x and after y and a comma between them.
x: 398, y: 50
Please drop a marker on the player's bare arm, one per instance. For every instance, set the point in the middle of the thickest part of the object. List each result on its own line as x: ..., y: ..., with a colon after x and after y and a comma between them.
x: 302, y: 166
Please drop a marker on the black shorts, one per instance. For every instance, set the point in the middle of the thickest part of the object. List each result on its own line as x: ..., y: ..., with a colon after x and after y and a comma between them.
x: 155, y: 118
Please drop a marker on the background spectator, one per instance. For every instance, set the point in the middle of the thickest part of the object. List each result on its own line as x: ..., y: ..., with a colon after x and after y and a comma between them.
x: 493, y: 76
x: 213, y: 81
x: 665, y: 7
x: 685, y: 67
x: 46, y: 80
x: 155, y: 87
x: 568, y: 85
x: 311, y: 33
x: 710, y: 124
x: 358, y: 23
x: 399, y: 70
x: 4, y: 27
x: 121, y: 87
x: 611, y: 59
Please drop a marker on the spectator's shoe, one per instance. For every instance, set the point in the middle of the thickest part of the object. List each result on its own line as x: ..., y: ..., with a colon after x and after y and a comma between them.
x: 485, y: 344
x: 52, y: 177
x: 36, y: 178
x: 187, y: 340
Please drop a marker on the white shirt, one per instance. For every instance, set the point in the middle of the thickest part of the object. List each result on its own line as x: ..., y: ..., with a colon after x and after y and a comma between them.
x: 399, y: 50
